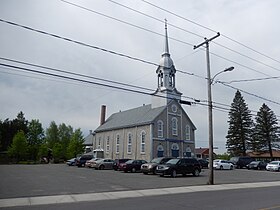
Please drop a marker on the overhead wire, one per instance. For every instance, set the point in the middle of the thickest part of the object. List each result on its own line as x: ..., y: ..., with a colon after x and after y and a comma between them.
x: 207, y: 28
x: 142, y: 28
x: 105, y: 50
x: 190, y: 32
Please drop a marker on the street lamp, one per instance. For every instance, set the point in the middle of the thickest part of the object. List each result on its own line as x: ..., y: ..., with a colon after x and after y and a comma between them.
x: 210, y: 112
x: 227, y: 69
x: 210, y: 106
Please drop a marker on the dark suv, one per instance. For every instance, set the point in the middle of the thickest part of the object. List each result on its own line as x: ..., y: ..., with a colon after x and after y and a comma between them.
x: 177, y: 166
x: 241, y: 162
x: 81, y: 161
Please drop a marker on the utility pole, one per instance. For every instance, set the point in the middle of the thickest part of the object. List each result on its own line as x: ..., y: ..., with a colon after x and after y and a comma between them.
x: 210, y: 107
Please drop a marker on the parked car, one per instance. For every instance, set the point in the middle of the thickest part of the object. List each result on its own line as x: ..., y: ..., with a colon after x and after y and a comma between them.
x: 103, y: 164
x: 151, y: 166
x: 203, y: 163
x: 81, y: 161
x: 222, y: 164
x: 257, y: 165
x: 132, y: 165
x: 241, y: 162
x: 273, y: 166
x: 177, y: 166
x: 91, y: 162
x: 117, y: 162
x: 71, y: 162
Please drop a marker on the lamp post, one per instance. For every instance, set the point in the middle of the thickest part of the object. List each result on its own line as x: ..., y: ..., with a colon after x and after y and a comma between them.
x: 227, y: 69
x: 210, y: 111
x: 210, y: 106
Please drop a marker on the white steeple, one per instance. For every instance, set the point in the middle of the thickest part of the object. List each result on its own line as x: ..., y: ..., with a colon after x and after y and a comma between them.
x: 166, y: 71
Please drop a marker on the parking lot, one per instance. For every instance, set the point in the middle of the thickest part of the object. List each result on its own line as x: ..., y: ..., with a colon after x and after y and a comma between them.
x: 58, y: 179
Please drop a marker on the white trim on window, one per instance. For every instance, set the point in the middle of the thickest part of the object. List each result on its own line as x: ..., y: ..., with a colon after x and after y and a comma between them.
x: 118, y: 144
x: 108, y: 144
x: 174, y: 124
x: 143, y: 142
x: 129, y: 143
x: 188, y: 133
x: 160, y: 129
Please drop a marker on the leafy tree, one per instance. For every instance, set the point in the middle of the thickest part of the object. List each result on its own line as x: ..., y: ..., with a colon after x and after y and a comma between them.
x: 35, y: 138
x: 76, y: 144
x: 9, y: 128
x: 57, y: 152
x: 18, y: 149
x: 266, y: 129
x: 43, y: 151
x: 52, y: 135
x: 240, y: 126
x: 64, y: 134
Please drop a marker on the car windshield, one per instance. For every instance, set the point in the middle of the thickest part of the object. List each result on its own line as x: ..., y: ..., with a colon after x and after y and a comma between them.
x: 156, y: 160
x: 173, y: 161
x: 274, y: 163
x: 129, y: 161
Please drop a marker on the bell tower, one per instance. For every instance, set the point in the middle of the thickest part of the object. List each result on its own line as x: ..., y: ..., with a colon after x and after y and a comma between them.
x: 166, y: 90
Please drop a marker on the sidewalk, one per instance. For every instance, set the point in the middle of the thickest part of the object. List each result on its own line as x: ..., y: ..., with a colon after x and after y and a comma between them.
x: 73, y: 198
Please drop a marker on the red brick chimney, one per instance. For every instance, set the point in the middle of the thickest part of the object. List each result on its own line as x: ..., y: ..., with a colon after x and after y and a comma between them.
x: 103, y: 114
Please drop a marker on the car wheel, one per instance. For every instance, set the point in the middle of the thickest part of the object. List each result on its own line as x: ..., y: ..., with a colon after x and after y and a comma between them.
x: 145, y: 173
x: 133, y: 170
x: 221, y: 167
x: 196, y: 172
x: 154, y: 171
x: 174, y: 173
x: 101, y: 167
x: 231, y: 167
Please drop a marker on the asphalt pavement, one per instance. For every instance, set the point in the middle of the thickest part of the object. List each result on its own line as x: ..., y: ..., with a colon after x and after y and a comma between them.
x: 59, y: 185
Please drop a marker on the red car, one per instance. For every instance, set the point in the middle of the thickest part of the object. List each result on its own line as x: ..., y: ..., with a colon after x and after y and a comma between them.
x: 132, y: 165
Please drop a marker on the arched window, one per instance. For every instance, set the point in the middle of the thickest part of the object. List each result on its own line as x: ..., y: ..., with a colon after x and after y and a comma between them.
x: 188, y: 132
x: 118, y: 144
x: 143, y: 142
x: 129, y: 143
x: 99, y: 143
x: 160, y: 128
x: 108, y: 144
x: 174, y: 123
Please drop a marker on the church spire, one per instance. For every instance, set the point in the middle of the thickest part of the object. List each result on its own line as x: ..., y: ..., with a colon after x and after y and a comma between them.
x: 166, y: 40
x: 166, y: 78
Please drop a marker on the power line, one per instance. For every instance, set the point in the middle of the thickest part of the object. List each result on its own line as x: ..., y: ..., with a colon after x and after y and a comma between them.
x: 78, y: 42
x: 202, y: 26
x: 248, y: 93
x: 124, y: 55
x: 252, y: 80
x: 142, y: 28
x: 87, y: 81
x: 190, y: 32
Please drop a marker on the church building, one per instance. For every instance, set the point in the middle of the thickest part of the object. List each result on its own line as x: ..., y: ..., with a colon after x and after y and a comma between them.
x: 159, y: 129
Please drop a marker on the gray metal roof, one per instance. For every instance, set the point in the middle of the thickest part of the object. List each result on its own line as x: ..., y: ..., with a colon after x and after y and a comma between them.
x: 138, y: 116
x: 88, y: 140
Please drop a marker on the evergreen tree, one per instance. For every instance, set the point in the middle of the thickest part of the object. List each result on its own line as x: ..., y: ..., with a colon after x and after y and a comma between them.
x: 266, y: 129
x: 240, y: 126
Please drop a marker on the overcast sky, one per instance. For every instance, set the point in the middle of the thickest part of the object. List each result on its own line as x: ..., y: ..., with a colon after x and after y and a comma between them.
x: 105, y: 24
